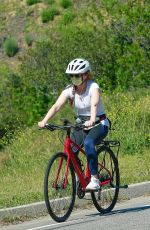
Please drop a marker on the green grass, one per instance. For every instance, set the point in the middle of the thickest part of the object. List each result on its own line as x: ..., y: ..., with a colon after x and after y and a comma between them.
x: 23, y: 163
x: 130, y: 116
x: 28, y: 39
x: 68, y: 17
x: 32, y: 2
x: 65, y: 3
x: 49, y: 14
x: 10, y: 47
x: 49, y: 2
x: 134, y: 168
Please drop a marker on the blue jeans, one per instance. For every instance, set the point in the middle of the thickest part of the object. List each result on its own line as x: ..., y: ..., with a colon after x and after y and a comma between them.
x: 88, y: 139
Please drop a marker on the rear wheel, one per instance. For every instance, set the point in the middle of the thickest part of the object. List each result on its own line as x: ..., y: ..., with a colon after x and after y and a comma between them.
x: 59, y: 198
x: 106, y: 198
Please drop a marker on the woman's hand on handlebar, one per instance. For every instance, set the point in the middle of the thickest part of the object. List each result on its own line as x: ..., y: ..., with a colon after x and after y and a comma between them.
x: 89, y: 123
x: 41, y: 124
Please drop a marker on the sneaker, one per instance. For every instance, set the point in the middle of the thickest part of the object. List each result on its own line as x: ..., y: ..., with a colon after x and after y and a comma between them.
x: 93, y: 185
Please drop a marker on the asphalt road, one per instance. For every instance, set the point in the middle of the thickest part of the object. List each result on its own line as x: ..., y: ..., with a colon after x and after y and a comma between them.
x: 131, y: 214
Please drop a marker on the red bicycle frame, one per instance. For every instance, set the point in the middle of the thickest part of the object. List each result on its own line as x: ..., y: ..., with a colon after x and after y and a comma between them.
x: 84, y: 178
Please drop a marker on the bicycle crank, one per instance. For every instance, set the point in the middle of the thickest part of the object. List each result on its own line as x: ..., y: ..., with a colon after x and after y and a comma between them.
x: 80, y: 192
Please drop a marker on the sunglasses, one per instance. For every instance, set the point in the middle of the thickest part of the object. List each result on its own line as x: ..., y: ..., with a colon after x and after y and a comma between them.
x: 75, y: 75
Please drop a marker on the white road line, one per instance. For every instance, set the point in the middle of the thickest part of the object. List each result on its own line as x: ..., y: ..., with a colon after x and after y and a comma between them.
x: 57, y: 224
x: 64, y: 223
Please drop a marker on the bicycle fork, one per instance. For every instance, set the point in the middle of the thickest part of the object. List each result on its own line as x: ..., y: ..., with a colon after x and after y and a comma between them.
x: 64, y: 183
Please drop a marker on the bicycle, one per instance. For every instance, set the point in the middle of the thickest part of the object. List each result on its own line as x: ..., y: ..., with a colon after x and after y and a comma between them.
x: 60, y: 185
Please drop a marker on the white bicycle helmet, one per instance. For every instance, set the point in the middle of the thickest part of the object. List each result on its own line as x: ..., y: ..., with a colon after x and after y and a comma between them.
x: 78, y: 66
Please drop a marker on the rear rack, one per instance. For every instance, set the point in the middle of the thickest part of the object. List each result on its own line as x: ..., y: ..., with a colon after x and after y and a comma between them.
x: 111, y: 144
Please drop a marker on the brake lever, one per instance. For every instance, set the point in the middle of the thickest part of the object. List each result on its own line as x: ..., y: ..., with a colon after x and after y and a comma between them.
x: 49, y: 127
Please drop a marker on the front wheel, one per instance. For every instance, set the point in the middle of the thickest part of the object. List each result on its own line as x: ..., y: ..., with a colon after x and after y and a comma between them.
x: 59, y: 187
x: 106, y: 198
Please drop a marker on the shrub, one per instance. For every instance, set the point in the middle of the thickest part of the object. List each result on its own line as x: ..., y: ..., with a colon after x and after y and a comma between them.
x: 48, y: 15
x: 32, y: 2
x: 68, y: 17
x: 65, y: 3
x: 130, y: 123
x: 118, y: 53
x: 50, y: 2
x: 10, y: 47
x: 29, y: 39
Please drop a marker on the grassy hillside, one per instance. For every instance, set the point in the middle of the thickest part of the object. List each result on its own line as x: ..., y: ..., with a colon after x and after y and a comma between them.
x: 23, y: 163
x: 114, y: 36
x: 19, y: 19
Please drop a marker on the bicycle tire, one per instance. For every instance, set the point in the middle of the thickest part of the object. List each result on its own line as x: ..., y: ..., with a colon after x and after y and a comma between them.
x: 59, y: 201
x: 105, y: 199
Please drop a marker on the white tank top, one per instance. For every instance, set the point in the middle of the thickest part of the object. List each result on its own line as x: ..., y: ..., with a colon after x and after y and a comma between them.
x: 82, y: 103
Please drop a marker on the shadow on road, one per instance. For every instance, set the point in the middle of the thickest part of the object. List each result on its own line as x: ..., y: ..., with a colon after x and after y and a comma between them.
x: 90, y: 217
x: 126, y: 210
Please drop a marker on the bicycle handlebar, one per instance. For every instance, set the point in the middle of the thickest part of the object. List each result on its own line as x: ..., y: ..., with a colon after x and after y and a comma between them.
x: 66, y: 126
x: 53, y: 127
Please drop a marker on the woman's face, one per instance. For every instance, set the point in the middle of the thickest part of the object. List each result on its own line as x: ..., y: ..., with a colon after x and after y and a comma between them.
x: 78, y: 79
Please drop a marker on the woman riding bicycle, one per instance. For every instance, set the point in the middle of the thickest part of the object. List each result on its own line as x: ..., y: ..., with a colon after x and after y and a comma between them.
x: 85, y: 96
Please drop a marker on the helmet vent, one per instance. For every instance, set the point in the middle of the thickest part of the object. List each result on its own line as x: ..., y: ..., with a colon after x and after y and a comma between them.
x: 72, y: 67
x: 83, y: 67
x: 76, y: 67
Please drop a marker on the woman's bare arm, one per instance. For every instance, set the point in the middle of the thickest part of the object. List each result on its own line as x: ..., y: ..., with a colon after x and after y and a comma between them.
x: 95, y: 97
x: 53, y: 110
